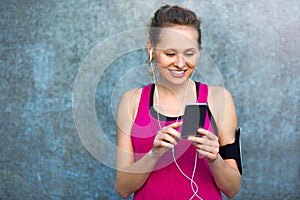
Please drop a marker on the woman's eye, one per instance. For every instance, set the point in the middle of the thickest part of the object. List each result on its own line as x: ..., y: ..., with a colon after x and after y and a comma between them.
x: 170, y: 54
x: 189, y: 54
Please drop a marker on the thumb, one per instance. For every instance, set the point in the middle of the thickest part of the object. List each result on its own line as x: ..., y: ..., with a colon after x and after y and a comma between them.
x: 176, y: 124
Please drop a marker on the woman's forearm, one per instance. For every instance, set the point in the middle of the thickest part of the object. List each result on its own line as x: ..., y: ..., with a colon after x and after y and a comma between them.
x: 130, y: 179
x: 227, y: 178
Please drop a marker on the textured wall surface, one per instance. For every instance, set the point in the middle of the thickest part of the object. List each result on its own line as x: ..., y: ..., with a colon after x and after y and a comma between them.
x: 64, y: 64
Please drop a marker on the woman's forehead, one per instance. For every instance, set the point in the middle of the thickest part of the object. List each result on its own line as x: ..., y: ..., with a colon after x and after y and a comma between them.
x: 178, y: 37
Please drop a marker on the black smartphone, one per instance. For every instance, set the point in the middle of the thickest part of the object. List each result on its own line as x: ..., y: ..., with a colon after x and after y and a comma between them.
x: 193, y: 118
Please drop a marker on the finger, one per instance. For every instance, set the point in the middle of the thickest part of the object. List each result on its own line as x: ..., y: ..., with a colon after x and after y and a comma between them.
x: 203, y: 141
x: 207, y: 133
x: 171, y: 131
x: 209, y: 149
x: 175, y: 125
x: 163, y: 135
x: 207, y: 142
x: 196, y: 139
x: 168, y: 138
x: 162, y: 143
x: 208, y: 155
x: 204, y: 144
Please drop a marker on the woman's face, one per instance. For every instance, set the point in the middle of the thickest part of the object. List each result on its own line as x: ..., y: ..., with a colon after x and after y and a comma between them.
x: 176, y: 54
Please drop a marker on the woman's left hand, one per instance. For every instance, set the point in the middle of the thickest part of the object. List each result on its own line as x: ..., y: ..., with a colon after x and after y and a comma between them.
x: 207, y: 145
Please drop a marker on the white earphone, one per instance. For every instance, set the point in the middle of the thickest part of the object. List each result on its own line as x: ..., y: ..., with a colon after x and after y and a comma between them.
x: 150, y: 65
x: 150, y: 55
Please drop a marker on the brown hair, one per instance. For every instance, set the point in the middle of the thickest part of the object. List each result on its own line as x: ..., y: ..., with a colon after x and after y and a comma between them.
x: 169, y: 16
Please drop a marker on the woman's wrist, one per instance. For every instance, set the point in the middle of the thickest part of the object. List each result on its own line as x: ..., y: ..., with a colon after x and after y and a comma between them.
x: 153, y: 155
x: 215, y: 162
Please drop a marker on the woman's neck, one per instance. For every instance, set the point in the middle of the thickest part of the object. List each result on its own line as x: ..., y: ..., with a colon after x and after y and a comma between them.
x: 183, y: 93
x: 179, y: 90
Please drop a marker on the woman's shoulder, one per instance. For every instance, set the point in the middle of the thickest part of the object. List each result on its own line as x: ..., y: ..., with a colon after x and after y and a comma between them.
x: 131, y: 97
x: 220, y: 93
x: 127, y: 108
x: 223, y: 108
x: 129, y: 102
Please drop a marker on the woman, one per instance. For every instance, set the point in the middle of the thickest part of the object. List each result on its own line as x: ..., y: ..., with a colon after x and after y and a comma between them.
x: 152, y: 160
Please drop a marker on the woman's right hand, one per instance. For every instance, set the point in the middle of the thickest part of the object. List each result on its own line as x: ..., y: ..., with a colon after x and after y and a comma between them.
x: 165, y: 139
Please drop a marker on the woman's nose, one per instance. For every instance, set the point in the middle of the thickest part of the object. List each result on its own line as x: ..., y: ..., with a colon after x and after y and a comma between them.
x: 180, y: 61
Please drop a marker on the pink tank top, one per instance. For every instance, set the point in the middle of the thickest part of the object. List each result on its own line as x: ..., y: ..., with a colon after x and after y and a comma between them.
x: 166, y: 181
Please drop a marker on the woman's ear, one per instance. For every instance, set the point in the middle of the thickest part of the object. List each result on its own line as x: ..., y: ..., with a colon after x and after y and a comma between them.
x: 150, y: 51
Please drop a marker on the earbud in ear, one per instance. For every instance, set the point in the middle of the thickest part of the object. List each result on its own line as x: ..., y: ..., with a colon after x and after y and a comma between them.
x: 150, y: 55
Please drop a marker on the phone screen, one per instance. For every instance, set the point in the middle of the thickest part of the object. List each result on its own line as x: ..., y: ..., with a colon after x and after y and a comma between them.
x: 194, y: 118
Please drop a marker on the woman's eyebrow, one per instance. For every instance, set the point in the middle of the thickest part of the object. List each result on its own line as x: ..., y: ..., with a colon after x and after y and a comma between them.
x: 176, y: 50
x: 169, y: 49
x: 191, y: 49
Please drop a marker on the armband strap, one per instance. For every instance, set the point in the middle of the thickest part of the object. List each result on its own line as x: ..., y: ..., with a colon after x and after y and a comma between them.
x: 233, y: 151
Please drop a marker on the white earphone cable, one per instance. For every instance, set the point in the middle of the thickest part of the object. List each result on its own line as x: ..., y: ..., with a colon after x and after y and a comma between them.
x: 193, y: 183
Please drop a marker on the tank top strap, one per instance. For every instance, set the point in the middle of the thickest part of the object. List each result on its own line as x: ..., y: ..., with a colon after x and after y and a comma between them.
x: 143, y: 106
x: 145, y: 96
x: 202, y: 92
x: 210, y: 123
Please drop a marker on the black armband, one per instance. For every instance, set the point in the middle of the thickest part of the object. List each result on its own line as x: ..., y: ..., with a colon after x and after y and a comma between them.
x: 233, y: 151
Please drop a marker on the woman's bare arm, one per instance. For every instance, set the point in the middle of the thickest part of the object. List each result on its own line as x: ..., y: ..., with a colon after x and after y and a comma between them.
x: 225, y: 172
x: 131, y: 174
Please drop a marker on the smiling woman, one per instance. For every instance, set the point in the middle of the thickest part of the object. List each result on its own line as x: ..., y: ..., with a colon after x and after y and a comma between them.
x: 177, y: 54
x: 152, y: 160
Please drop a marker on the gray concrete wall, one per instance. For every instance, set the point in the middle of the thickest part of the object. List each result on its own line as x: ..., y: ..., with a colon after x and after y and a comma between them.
x: 64, y: 65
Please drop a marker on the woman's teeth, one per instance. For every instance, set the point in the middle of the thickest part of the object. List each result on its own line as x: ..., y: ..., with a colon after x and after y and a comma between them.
x: 178, y: 72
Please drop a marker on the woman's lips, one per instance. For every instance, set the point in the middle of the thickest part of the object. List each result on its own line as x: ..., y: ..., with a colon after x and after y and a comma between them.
x: 177, y: 73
